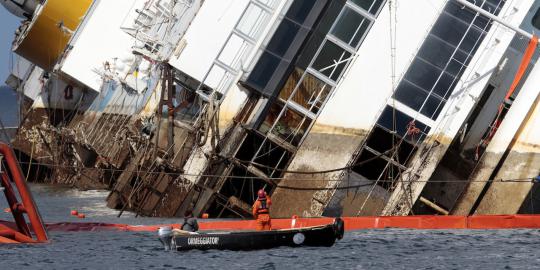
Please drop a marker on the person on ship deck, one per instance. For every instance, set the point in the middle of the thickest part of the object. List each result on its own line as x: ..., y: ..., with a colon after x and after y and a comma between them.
x: 261, y: 211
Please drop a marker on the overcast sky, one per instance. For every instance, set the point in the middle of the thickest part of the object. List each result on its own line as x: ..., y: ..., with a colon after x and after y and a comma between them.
x: 8, y: 24
x: 8, y: 108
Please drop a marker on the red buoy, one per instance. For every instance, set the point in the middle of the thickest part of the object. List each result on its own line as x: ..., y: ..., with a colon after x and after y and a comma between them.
x: 74, y: 212
x: 205, y: 215
x: 80, y: 215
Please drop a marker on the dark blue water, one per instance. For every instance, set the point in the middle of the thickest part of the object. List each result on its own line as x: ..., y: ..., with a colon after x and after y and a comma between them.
x: 373, y: 249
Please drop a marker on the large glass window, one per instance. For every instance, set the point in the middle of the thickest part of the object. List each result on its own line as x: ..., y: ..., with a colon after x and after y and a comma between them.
x: 283, y: 48
x: 536, y: 19
x: 332, y: 60
x: 308, y: 84
x: 386, y: 152
x: 442, y: 58
x: 285, y: 123
x: 299, y: 10
x: 290, y: 85
x: 271, y: 155
x: 283, y: 37
x: 350, y: 27
x: 404, y: 125
x: 291, y: 126
x: 311, y: 93
x: 262, y: 73
x: 271, y: 116
x: 372, y: 6
x: 437, y: 52
x: 425, y: 87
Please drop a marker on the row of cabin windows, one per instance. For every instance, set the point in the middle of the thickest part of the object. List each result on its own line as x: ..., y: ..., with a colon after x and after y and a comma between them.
x: 282, y: 52
x: 302, y: 94
x: 287, y: 41
x: 304, y: 90
x: 371, y: 6
x: 425, y: 87
x: 401, y: 145
x: 443, y: 57
x: 351, y: 27
x: 257, y: 148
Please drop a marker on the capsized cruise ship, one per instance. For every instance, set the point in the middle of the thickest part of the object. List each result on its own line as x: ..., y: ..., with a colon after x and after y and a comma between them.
x: 334, y: 107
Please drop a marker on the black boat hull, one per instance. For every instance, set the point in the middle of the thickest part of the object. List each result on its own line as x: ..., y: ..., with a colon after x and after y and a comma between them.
x: 324, y: 236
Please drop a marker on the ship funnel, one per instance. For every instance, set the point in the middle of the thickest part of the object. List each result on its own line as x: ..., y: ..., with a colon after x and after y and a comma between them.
x: 21, y: 8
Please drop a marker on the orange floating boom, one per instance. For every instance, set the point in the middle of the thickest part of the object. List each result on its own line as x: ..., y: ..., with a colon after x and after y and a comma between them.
x: 351, y: 223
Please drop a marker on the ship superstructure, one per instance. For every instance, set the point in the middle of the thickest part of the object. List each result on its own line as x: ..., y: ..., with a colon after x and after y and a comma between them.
x: 358, y: 107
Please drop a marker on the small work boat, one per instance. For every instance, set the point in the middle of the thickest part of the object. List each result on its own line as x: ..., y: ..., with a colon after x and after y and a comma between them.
x: 323, y: 236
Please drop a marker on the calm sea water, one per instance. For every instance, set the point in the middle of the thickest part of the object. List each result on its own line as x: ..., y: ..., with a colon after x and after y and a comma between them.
x: 372, y: 249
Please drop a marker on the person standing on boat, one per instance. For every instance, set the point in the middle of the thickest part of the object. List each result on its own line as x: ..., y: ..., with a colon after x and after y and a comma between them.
x: 190, y: 223
x: 261, y: 211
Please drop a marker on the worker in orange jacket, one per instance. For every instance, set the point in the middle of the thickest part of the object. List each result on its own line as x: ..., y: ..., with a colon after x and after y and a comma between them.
x: 261, y: 211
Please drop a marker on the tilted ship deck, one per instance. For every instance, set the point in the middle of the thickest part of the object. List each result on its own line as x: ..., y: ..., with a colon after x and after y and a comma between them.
x: 336, y: 108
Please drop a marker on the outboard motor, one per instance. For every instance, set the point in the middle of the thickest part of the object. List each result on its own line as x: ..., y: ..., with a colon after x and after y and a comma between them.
x: 339, y: 228
x: 165, y: 236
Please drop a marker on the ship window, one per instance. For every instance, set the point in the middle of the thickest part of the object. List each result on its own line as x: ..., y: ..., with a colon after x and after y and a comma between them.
x: 382, y: 165
x: 437, y: 52
x: 441, y: 60
x: 422, y: 74
x: 472, y: 40
x: 370, y: 167
x: 443, y: 86
x: 492, y: 6
x: 249, y: 147
x: 299, y: 10
x: 283, y: 37
x: 311, y: 93
x: 291, y: 126
x: 466, y: 15
x: 449, y: 29
x: 391, y: 117
x: 318, y: 35
x: 272, y: 156
x: 291, y: 84
x: 377, y: 168
x: 271, y: 115
x: 382, y: 140
x: 536, y: 19
x: 410, y: 95
x: 250, y: 24
x: 433, y: 107
x: 263, y: 71
x: 239, y: 184
x: 456, y: 32
x: 370, y: 5
x: 270, y: 3
x: 350, y: 27
x: 331, y: 60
